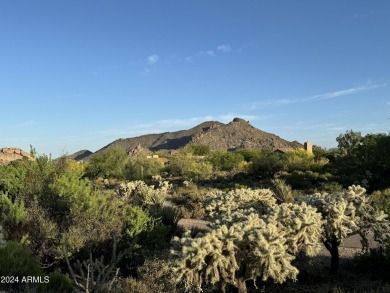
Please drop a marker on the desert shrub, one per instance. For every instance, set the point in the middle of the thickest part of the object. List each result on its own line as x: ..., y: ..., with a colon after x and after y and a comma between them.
x: 108, y: 163
x: 189, y: 166
x: 189, y: 191
x: 141, y: 168
x: 225, y: 161
x: 128, y: 285
x: 165, y: 225
x: 375, y: 264
x: 266, y: 165
x: 16, y: 261
x: 193, y: 210
x: 381, y: 200
x: 155, y: 272
x: 190, y: 199
x: 12, y: 179
x: 59, y: 283
x: 169, y: 216
x: 297, y: 159
x: 136, y: 221
x: 198, y: 150
x: 331, y: 187
x: 283, y: 191
x: 306, y: 179
x: 249, y: 155
x: 25, y: 178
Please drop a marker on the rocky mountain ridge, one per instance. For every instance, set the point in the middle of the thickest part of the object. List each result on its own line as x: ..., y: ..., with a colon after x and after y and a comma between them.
x: 236, y: 135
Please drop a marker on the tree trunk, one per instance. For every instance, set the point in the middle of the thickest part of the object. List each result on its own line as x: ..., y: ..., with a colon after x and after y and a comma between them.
x: 333, y: 248
x: 241, y: 286
x: 335, y: 261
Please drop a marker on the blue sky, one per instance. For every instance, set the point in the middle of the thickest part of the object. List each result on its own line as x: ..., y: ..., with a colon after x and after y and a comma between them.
x: 78, y: 74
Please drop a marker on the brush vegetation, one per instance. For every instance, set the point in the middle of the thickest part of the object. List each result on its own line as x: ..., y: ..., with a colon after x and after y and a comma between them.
x: 112, y: 224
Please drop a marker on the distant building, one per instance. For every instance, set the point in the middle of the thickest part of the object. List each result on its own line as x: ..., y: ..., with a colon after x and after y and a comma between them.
x: 283, y: 150
x: 308, y: 146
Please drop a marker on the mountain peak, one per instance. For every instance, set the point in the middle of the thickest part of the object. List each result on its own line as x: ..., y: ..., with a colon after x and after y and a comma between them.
x: 238, y: 134
x: 240, y: 120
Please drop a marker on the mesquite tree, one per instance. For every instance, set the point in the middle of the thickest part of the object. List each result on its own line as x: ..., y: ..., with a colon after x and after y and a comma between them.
x: 344, y: 214
x: 251, y: 237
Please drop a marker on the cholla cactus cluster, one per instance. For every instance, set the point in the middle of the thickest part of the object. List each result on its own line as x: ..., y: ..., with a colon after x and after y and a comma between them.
x: 251, y: 237
x: 302, y: 225
x: 139, y: 193
x: 348, y: 213
x: 243, y: 251
x: 230, y: 207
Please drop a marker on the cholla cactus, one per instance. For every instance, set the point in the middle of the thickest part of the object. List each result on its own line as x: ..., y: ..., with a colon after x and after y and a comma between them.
x: 345, y: 214
x: 251, y: 237
x: 302, y: 225
x: 223, y: 206
x: 233, y: 255
x: 139, y: 193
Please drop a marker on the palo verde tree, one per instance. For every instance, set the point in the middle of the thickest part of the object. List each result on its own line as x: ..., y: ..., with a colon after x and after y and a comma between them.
x: 251, y: 238
x: 344, y: 214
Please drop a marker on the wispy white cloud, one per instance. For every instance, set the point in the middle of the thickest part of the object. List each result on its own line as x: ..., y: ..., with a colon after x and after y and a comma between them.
x: 152, y: 59
x: 208, y: 53
x: 220, y: 49
x: 326, y: 96
x: 345, y: 92
x: 224, y: 48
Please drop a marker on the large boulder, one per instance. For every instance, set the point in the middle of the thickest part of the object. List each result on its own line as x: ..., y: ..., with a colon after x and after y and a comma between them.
x: 8, y: 155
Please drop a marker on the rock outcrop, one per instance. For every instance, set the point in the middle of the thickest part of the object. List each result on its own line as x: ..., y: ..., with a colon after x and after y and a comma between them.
x: 240, y: 134
x: 7, y: 155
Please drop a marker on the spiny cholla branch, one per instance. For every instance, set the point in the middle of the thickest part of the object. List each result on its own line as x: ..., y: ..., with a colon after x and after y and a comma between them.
x: 89, y: 276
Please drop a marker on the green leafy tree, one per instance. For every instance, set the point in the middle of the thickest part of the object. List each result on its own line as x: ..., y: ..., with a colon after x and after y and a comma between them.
x: 349, y: 141
x: 363, y: 160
